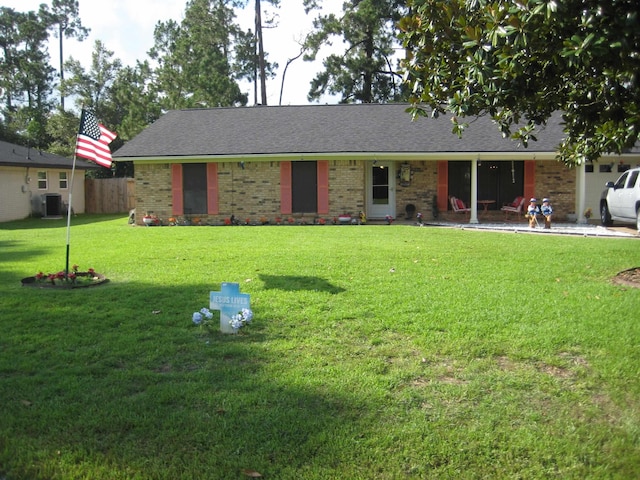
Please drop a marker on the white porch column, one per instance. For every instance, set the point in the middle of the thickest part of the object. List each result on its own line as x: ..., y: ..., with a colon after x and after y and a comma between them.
x: 474, y: 191
x: 581, y: 193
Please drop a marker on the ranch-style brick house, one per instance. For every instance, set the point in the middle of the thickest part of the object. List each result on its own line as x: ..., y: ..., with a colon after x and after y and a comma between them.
x: 37, y: 183
x: 323, y: 161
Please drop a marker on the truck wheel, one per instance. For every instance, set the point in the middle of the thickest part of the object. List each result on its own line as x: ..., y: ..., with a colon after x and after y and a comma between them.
x: 605, y: 216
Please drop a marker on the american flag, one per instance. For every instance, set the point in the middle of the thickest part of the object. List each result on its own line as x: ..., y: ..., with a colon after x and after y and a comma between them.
x: 93, y: 140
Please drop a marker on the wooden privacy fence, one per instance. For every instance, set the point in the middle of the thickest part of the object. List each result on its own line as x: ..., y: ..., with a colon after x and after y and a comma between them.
x: 109, y: 195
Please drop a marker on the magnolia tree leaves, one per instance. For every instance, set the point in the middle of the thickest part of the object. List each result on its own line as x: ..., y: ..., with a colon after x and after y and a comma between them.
x: 521, y: 61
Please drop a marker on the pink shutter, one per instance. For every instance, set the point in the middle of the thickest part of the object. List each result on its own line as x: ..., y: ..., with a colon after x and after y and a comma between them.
x: 323, y: 187
x: 285, y: 188
x: 212, y: 188
x: 176, y: 189
x: 529, y: 179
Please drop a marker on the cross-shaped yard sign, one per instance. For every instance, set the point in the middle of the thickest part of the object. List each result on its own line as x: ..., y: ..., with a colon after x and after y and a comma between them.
x: 230, y: 302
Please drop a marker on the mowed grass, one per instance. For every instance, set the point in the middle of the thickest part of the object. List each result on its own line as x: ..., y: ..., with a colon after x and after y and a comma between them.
x: 376, y: 352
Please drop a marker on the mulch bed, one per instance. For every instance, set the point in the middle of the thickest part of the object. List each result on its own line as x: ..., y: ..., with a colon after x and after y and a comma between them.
x: 92, y: 280
x: 630, y: 277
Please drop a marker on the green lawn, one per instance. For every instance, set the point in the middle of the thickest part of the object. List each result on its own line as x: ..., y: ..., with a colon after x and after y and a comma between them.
x: 376, y: 352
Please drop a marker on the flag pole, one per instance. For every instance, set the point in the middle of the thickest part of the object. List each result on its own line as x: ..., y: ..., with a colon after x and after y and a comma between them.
x: 69, y: 208
x: 92, y: 143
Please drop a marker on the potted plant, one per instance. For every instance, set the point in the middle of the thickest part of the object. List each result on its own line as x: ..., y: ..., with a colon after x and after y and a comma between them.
x: 344, y: 219
x: 150, y: 219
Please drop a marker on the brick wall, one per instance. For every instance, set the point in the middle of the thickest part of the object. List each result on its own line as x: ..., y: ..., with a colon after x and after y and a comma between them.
x: 558, y: 182
x: 251, y: 192
x: 153, y: 190
x: 254, y: 191
x: 424, y: 181
x: 346, y: 187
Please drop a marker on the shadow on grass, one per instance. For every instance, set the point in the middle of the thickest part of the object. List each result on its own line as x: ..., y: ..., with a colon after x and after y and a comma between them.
x: 7, y: 250
x: 294, y: 283
x: 150, y: 395
x: 16, y: 252
x: 40, y: 223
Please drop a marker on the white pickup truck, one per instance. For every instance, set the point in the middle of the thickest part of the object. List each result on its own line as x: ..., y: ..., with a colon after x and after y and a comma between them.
x: 620, y: 200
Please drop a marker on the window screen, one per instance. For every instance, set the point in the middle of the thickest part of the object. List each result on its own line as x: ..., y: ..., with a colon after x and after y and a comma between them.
x: 194, y: 188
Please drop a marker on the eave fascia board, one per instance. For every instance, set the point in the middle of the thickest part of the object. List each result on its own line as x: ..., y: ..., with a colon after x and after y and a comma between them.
x: 405, y: 156
x: 608, y: 157
x: 43, y: 166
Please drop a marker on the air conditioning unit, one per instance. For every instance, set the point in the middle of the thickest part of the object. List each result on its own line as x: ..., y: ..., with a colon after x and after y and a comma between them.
x: 52, y: 205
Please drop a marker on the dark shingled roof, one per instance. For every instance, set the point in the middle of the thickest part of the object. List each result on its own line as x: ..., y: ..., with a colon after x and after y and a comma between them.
x: 12, y: 155
x: 328, y: 129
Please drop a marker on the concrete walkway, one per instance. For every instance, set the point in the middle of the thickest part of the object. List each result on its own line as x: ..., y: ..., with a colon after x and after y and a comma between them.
x: 579, y: 229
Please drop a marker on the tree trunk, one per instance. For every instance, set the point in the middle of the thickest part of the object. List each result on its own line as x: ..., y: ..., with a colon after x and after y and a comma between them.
x: 61, y: 70
x: 263, y: 80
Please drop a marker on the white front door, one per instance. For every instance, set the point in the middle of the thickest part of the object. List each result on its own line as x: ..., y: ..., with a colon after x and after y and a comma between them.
x: 381, y: 182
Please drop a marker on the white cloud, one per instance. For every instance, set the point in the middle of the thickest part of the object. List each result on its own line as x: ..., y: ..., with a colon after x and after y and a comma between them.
x: 126, y: 28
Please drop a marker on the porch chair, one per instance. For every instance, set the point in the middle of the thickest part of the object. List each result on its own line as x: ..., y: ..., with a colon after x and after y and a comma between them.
x: 458, y: 206
x: 514, y: 207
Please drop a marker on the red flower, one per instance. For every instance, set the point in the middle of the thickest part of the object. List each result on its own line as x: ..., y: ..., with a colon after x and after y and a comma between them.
x: 39, y: 275
x: 91, y: 271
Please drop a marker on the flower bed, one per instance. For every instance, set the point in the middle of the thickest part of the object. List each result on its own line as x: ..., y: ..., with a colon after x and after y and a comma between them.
x: 74, y: 279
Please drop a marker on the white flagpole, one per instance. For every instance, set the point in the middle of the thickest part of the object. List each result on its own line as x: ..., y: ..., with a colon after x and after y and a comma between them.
x: 96, y: 129
x: 69, y: 207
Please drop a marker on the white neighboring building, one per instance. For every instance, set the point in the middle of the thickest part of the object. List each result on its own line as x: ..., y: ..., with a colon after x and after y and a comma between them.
x: 36, y: 183
x: 608, y: 169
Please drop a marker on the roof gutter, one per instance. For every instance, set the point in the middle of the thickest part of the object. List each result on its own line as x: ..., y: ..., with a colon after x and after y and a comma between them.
x: 411, y: 156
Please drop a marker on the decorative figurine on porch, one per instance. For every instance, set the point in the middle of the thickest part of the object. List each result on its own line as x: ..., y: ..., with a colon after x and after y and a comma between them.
x: 546, y: 211
x: 532, y: 212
